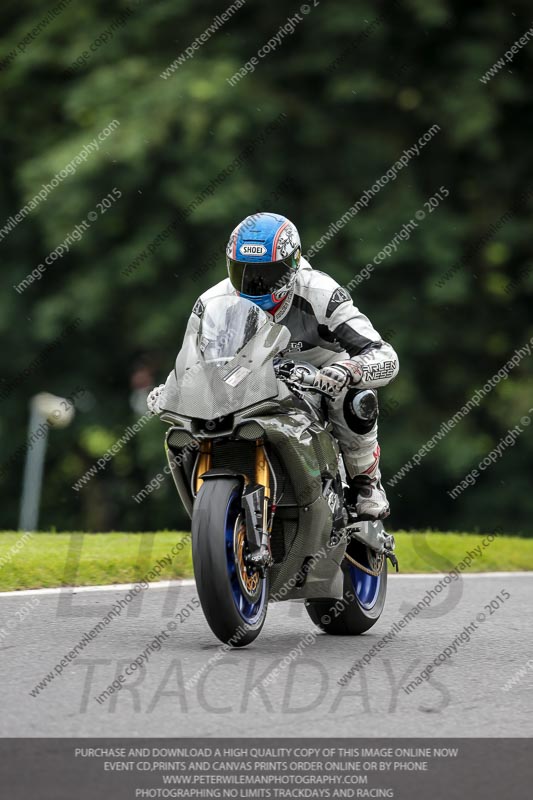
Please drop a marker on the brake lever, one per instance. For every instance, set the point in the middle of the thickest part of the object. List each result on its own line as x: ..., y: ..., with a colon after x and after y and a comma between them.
x: 294, y: 376
x: 302, y: 387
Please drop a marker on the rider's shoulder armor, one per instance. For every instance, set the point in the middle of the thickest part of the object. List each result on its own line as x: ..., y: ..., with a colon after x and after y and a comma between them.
x: 334, y: 311
x: 323, y: 292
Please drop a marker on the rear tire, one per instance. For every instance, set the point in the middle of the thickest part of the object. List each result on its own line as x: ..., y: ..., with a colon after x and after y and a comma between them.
x: 362, y: 603
x: 234, y: 600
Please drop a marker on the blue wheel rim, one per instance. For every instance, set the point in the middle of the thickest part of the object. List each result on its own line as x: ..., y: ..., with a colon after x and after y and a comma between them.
x: 366, y: 587
x: 250, y: 611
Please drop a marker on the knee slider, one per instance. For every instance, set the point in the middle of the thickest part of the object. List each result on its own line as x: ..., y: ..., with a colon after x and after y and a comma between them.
x: 361, y: 409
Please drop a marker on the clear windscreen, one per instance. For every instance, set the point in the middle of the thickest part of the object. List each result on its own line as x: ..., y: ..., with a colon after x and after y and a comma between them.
x: 226, y: 361
x: 227, y: 325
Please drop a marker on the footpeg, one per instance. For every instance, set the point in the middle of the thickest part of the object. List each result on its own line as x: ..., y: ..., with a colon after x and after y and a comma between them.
x: 392, y: 558
x: 374, y: 536
x: 371, y: 533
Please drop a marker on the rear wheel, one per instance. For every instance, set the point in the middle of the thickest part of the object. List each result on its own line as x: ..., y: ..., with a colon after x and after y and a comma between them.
x: 234, y: 598
x: 363, y: 597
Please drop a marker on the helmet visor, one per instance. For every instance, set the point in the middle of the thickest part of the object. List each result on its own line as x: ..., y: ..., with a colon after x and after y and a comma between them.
x: 255, y: 280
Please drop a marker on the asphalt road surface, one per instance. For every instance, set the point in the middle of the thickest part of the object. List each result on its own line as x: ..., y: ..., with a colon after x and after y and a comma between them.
x: 463, y: 696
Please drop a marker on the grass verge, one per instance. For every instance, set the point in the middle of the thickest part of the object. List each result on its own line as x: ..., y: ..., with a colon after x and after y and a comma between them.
x: 74, y: 559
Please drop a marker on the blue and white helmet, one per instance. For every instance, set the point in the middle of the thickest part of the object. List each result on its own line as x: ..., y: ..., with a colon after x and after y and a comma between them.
x: 263, y: 258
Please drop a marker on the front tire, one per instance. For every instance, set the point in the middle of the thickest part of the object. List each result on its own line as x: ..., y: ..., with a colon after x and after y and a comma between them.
x: 233, y: 598
x: 362, y: 603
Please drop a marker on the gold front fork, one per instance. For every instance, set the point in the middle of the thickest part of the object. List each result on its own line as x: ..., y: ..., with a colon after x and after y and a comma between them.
x: 204, y: 462
x: 262, y: 477
x: 262, y: 472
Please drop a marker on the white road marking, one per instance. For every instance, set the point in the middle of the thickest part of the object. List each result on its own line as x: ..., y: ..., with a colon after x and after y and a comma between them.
x: 116, y: 587
x: 518, y: 574
x: 112, y: 587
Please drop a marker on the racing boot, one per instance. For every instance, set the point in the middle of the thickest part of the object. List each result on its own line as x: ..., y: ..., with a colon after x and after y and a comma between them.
x: 366, y: 495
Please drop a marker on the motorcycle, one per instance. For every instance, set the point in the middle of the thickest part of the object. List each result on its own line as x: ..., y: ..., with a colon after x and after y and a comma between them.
x: 260, y: 474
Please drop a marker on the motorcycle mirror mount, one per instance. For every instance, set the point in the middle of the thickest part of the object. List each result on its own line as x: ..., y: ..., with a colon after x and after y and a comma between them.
x: 278, y: 338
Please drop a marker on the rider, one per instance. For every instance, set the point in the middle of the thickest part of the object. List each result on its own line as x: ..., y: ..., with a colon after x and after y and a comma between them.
x: 265, y: 265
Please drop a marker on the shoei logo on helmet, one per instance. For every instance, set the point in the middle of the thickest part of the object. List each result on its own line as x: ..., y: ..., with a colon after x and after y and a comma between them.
x: 252, y: 249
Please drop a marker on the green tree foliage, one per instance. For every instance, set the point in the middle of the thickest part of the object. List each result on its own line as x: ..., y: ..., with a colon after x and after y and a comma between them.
x: 320, y: 119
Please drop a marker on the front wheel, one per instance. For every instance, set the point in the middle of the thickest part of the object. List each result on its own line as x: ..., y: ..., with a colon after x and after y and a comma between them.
x: 234, y: 598
x: 362, y: 602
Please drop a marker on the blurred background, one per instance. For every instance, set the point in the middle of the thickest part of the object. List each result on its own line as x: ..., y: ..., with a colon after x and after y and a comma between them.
x: 180, y: 156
